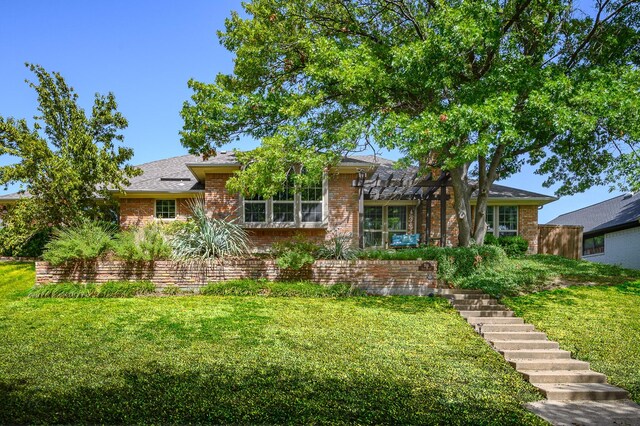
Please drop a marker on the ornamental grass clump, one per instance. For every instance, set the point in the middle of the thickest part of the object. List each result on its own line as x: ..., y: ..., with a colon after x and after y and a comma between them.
x: 204, y: 238
x: 143, y: 244
x: 86, y: 240
x: 340, y: 247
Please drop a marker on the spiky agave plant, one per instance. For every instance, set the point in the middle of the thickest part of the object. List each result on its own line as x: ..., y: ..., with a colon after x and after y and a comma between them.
x: 205, y: 238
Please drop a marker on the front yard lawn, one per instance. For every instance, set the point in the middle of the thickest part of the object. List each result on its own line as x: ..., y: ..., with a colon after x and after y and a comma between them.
x: 597, y: 324
x: 247, y: 359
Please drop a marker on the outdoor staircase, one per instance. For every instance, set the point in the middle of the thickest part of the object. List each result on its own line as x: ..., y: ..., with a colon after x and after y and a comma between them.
x: 540, y: 361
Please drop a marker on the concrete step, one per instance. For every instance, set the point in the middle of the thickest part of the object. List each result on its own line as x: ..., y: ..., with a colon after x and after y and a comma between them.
x: 505, y: 313
x: 467, y: 296
x: 535, y: 354
x: 492, y: 328
x: 467, y: 307
x: 514, y: 335
x: 548, y: 364
x: 495, y: 320
x: 523, y: 344
x: 450, y: 291
x: 474, y: 302
x: 563, y: 376
x: 581, y: 391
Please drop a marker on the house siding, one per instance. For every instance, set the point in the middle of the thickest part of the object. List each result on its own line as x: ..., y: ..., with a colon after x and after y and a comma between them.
x: 528, y: 226
x: 135, y: 212
x: 620, y: 248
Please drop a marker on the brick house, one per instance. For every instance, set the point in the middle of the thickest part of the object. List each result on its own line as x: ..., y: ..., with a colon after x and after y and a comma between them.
x: 364, y: 196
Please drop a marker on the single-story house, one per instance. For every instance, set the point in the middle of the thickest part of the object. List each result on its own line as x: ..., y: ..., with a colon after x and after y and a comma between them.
x: 365, y: 197
x: 611, y: 230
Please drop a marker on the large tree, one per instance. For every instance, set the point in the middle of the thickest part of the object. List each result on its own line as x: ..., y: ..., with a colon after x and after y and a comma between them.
x: 67, y: 162
x: 477, y: 88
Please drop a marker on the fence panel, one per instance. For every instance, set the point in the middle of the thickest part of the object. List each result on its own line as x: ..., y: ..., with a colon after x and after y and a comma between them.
x: 560, y: 240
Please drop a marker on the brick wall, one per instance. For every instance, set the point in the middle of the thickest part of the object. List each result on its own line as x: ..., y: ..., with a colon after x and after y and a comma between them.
x: 140, y: 211
x: 220, y: 202
x: 528, y: 226
x: 375, y: 276
x: 343, y: 206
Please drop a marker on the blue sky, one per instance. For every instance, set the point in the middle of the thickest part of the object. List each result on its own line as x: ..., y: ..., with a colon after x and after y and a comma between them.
x: 145, y: 52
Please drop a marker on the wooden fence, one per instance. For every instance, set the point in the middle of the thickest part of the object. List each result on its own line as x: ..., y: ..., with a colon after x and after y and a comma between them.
x: 561, y: 240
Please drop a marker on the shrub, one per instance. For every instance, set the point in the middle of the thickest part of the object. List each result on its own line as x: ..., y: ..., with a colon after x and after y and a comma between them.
x: 454, y: 263
x: 339, y: 247
x: 34, y: 247
x: 108, y: 289
x: 262, y: 287
x: 513, y: 246
x: 145, y: 244
x: 84, y: 241
x: 203, y: 238
x: 295, y: 253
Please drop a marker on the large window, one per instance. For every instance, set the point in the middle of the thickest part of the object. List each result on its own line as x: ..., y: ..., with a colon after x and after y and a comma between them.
x: 593, y: 245
x: 506, y: 218
x: 166, y: 209
x: 382, y: 222
x: 287, y: 206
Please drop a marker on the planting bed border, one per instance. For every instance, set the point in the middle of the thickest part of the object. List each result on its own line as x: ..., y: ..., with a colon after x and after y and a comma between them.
x: 374, y: 276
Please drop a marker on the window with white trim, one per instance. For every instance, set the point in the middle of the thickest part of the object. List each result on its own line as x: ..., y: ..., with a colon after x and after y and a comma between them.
x: 287, y: 206
x: 506, y: 218
x: 255, y: 209
x: 165, y: 209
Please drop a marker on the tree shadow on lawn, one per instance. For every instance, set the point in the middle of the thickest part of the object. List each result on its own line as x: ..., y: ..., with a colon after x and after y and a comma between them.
x: 272, y: 395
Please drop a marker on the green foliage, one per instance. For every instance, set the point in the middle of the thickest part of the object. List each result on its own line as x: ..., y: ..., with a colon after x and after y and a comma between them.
x: 204, y: 238
x: 513, y: 246
x: 80, y: 290
x: 88, y: 240
x: 278, y: 289
x: 248, y: 360
x: 454, y: 263
x: 462, y: 84
x: 295, y: 253
x: 33, y: 247
x: 339, y: 247
x: 529, y: 274
x: 171, y: 290
x: 65, y: 160
x: 598, y: 324
x: 142, y: 245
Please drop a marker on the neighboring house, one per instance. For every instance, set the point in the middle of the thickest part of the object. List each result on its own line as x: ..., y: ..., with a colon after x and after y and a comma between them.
x: 611, y: 230
x: 363, y: 196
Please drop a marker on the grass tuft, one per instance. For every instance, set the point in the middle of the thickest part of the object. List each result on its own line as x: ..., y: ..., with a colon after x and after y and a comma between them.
x: 81, y: 290
x: 279, y: 289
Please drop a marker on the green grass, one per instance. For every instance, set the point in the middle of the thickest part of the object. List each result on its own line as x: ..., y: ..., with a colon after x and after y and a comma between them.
x: 247, y: 359
x: 528, y: 274
x: 598, y: 324
x: 108, y: 289
x: 278, y: 289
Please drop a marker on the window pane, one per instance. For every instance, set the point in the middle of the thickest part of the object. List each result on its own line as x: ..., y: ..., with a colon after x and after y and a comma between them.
x: 166, y: 209
x: 372, y: 239
x: 311, y: 212
x: 373, y: 217
x: 508, y: 218
x: 489, y: 219
x: 593, y: 245
x: 282, y: 212
x: 312, y: 193
x: 287, y: 192
x: 397, y: 218
x: 255, y: 212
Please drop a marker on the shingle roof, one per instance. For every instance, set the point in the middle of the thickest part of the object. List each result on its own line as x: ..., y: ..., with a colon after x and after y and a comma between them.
x: 389, y: 183
x: 617, y: 212
x: 172, y: 175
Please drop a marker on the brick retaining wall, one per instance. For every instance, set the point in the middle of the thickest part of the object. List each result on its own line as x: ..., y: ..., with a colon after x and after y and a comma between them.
x: 374, y: 276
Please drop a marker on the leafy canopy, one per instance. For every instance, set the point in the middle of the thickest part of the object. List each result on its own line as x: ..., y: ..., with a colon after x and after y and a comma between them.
x: 475, y: 87
x: 67, y: 161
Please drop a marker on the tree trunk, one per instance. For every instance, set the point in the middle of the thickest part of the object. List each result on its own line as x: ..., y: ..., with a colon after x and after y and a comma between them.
x: 462, y: 191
